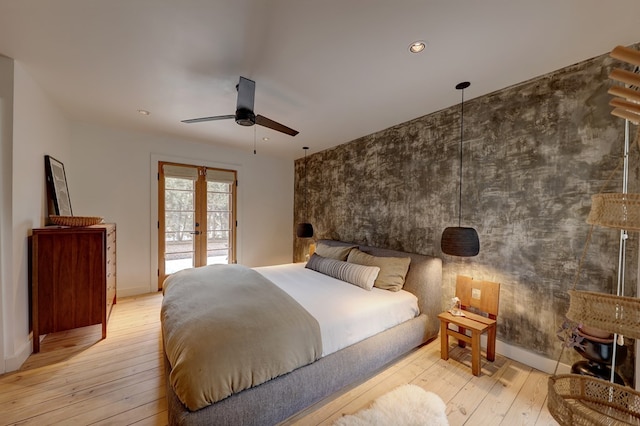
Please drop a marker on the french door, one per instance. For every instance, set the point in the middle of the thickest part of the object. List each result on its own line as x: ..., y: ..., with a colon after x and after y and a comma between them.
x: 197, y: 217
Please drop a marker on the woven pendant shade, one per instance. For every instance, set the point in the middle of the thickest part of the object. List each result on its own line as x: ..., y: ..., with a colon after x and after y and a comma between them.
x: 620, y: 211
x: 460, y: 241
x: 615, y: 314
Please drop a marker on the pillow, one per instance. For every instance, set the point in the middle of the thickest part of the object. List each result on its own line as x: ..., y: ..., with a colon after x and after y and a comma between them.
x: 360, y: 275
x: 333, y: 252
x: 393, y: 270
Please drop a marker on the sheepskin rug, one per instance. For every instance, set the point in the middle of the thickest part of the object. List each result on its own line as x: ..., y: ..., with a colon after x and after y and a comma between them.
x: 407, y: 405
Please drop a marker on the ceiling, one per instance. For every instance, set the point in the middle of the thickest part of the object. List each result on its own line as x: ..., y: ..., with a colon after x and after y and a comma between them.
x: 334, y: 70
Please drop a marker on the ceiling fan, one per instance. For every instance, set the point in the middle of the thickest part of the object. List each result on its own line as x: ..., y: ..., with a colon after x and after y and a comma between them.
x: 244, y: 115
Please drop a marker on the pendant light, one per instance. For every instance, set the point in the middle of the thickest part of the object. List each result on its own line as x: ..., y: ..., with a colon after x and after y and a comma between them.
x: 305, y: 229
x: 459, y: 240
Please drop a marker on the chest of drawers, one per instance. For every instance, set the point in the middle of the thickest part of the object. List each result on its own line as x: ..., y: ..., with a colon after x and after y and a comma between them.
x: 73, y: 282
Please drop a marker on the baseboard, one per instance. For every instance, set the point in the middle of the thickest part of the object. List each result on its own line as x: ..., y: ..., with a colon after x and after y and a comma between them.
x: 526, y: 357
x: 132, y: 291
x: 14, y: 362
x: 531, y: 359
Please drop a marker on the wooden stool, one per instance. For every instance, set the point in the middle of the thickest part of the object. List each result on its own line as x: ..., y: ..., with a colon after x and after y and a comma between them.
x: 483, y: 296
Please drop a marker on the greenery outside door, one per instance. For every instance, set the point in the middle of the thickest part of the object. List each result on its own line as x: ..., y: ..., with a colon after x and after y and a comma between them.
x: 197, y: 217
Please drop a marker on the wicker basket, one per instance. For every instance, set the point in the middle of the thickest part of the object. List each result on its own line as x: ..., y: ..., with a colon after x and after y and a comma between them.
x: 575, y: 399
x: 75, y: 220
x: 616, y: 314
x: 620, y: 211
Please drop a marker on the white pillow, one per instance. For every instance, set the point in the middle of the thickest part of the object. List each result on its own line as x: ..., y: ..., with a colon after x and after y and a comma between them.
x: 360, y: 275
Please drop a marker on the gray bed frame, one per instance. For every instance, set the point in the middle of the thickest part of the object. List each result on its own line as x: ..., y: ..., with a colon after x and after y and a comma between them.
x: 280, y: 398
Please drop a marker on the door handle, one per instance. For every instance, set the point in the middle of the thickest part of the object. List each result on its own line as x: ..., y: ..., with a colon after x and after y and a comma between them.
x: 195, y: 233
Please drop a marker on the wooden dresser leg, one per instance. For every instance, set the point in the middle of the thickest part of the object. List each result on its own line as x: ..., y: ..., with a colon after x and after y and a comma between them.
x: 444, y: 340
x: 36, y: 343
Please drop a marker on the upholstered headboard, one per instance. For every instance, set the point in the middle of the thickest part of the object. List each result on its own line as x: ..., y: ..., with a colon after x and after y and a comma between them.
x: 424, y: 278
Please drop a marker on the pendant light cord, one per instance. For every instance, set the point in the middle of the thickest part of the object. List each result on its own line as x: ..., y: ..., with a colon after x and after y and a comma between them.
x: 461, y: 135
x: 462, y: 87
x: 305, y: 180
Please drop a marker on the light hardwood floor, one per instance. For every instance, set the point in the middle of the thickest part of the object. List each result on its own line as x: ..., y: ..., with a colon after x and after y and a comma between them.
x: 79, y: 379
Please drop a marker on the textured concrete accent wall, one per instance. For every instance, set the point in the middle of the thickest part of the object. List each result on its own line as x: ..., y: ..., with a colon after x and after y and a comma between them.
x: 534, y: 154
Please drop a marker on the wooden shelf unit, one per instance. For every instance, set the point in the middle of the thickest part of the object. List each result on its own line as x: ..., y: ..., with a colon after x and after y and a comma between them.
x: 73, y: 282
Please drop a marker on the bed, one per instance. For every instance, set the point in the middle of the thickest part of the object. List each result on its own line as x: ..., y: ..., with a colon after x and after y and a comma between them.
x: 329, y: 369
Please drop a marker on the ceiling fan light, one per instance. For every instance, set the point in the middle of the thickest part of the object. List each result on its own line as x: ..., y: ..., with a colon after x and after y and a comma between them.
x: 460, y: 241
x: 245, y: 117
x: 304, y: 230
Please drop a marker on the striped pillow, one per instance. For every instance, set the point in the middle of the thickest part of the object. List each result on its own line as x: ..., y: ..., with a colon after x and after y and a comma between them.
x: 360, y: 275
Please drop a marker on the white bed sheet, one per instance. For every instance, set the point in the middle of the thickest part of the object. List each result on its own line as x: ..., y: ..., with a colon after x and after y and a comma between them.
x: 346, y: 313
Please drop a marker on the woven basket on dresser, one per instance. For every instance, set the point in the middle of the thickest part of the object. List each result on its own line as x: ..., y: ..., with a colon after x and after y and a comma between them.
x: 75, y: 220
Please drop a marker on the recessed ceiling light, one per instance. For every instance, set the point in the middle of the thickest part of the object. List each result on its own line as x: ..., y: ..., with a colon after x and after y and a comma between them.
x: 417, y: 46
x: 143, y: 112
x: 265, y: 139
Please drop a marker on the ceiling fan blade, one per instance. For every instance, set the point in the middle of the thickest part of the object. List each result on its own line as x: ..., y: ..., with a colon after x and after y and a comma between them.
x: 266, y: 122
x: 200, y: 120
x: 244, y: 112
x: 246, y: 94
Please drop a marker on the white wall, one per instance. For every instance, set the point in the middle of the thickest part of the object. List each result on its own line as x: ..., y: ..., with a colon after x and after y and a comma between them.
x: 39, y: 128
x: 112, y: 174
x: 6, y: 142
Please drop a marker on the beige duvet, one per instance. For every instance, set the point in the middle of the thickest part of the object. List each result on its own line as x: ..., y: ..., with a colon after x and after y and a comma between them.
x: 226, y: 328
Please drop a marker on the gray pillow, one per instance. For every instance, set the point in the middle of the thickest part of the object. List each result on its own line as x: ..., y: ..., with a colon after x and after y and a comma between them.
x: 393, y: 270
x: 360, y: 275
x: 333, y: 252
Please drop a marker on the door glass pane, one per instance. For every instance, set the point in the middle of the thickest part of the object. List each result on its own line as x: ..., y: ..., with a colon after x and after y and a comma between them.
x: 179, y: 224
x: 219, y: 211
